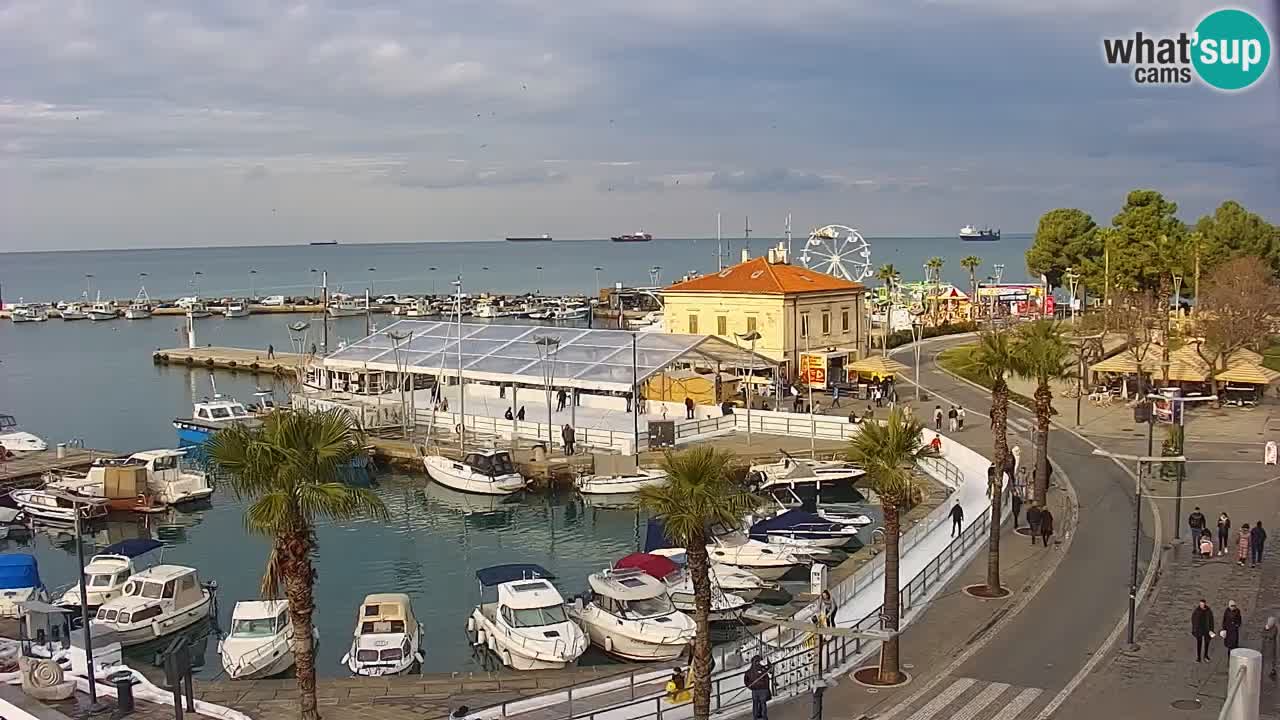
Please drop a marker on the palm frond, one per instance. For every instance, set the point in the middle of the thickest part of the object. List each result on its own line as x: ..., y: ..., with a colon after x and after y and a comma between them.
x: 887, y: 452
x: 995, y: 357
x: 1043, y: 353
x: 698, y: 493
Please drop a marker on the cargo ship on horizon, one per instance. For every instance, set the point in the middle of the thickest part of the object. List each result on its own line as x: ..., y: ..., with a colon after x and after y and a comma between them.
x: 633, y: 237
x: 539, y: 238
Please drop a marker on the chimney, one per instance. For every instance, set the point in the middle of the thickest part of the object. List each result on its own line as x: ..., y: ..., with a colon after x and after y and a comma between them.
x: 746, y: 254
x: 781, y: 253
x: 773, y: 256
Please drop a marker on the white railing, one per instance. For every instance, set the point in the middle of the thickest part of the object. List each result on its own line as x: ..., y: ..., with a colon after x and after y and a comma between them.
x: 600, y: 438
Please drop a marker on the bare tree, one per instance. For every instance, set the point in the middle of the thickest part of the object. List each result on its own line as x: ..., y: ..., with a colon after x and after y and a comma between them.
x: 1136, y: 315
x: 1235, y: 309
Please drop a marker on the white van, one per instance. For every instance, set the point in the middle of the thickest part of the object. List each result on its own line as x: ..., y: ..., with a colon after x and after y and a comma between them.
x: 273, y: 300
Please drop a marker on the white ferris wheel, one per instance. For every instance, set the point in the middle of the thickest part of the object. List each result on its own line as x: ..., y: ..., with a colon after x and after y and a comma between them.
x: 838, y: 250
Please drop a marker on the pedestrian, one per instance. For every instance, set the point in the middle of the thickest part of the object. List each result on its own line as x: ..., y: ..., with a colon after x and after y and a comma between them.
x: 951, y: 419
x: 520, y: 414
x: 271, y: 352
x: 566, y: 434
x: 560, y: 399
x: 1015, y: 501
x: 1242, y: 544
x: 759, y: 682
x: 957, y: 519
x: 826, y: 609
x: 797, y: 404
x: 1202, y: 629
x: 1206, y: 545
x: 1231, y: 623
x: 1196, y: 522
x: 835, y: 396
x: 878, y: 395
x: 313, y: 348
x: 444, y: 404
x: 960, y: 418
x: 1034, y: 516
x: 1269, y: 647
x: 688, y: 408
x: 853, y: 417
x: 508, y: 415
x: 1257, y: 538
x: 1046, y: 526
x: 726, y: 408
x: 1224, y: 532
x: 817, y: 408
x: 461, y: 713
x: 937, y: 418
x: 502, y: 392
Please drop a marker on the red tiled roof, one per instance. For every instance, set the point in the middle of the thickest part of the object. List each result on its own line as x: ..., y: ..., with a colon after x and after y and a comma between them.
x: 759, y: 276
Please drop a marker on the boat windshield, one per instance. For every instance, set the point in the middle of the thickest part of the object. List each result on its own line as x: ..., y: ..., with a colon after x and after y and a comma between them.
x: 534, y: 617
x: 253, y: 627
x: 650, y: 607
x: 149, y: 590
x: 98, y: 581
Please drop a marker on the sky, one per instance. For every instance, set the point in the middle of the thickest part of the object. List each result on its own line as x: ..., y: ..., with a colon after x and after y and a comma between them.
x: 242, y: 122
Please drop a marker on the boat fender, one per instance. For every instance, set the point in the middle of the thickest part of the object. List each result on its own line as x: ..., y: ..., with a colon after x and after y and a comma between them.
x: 608, y: 644
x: 481, y: 636
x: 492, y: 644
x: 506, y: 657
x: 471, y: 625
x: 345, y: 658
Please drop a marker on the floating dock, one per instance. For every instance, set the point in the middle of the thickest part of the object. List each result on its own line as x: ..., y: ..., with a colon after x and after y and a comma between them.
x: 26, y: 469
x: 234, y: 359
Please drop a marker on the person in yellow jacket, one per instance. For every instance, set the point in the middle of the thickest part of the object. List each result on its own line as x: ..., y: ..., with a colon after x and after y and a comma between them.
x: 678, y: 687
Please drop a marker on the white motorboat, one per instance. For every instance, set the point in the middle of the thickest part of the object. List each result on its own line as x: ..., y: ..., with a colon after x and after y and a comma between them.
x: 103, y: 311
x: 19, y: 583
x: 421, y: 308
x: 768, y: 561
x: 724, y: 606
x: 487, y: 471
x: 793, y: 473
x: 727, y: 577
x: 156, y: 602
x: 840, y: 513
x: 569, y: 312
x: 107, y: 572
x: 197, y: 309
x: 525, y: 625
x: 164, y: 476
x: 387, y: 638
x: 260, y: 643
x: 29, y: 313
x: 209, y: 416
x: 73, y: 311
x: 348, y: 307
x: 55, y: 508
x: 235, y: 309
x: 16, y: 440
x: 630, y: 615
x: 618, y: 475
x: 140, y: 308
x: 798, y: 527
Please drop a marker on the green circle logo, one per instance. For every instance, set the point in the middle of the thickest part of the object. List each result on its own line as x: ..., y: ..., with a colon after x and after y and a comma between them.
x: 1232, y: 49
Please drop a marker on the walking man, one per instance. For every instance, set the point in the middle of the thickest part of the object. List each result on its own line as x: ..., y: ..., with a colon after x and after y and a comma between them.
x: 759, y: 682
x: 937, y: 418
x: 560, y: 400
x: 688, y: 408
x: 1257, y: 537
x: 1224, y: 532
x: 1195, y: 521
x: 1269, y: 647
x: 271, y: 352
x: 1231, y: 623
x: 1015, y: 501
x: 951, y: 419
x: 835, y: 396
x: 960, y: 418
x: 1034, y: 517
x: 1046, y: 526
x: 1202, y: 629
x: 957, y: 519
x: 566, y: 434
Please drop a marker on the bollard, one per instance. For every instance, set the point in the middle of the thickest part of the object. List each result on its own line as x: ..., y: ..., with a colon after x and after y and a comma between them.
x: 1244, y: 685
x: 62, y: 450
x: 123, y: 683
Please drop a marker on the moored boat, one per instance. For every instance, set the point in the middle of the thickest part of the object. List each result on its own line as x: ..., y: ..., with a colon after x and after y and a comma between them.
x: 629, y: 614
x: 106, y: 573
x: 525, y: 624
x: 260, y: 643
x: 140, y: 308
x: 19, y: 582
x: 102, y: 311
x: 16, y: 440
x: 155, y: 603
x: 29, y: 314
x: 486, y: 471
x: 73, y: 311
x: 209, y: 416
x: 803, y: 528
x: 55, y: 507
x: 724, y: 606
x: 387, y: 638
x: 235, y: 309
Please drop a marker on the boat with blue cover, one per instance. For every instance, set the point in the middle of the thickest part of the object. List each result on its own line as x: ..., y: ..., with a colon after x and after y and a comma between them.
x: 19, y: 582
x: 522, y: 619
x: 797, y: 527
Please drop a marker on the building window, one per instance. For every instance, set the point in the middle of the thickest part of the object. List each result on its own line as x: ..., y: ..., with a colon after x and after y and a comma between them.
x: 693, y: 324
x: 722, y: 325
x: 804, y: 324
x: 826, y: 323
x: 751, y: 324
x: 844, y: 320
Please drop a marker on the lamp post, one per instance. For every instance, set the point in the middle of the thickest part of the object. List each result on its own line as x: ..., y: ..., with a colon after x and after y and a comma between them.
x: 539, y: 269
x: 372, y: 290
x: 655, y: 275
x: 547, y: 347
x: 462, y: 386
x: 750, y: 336
x: 598, y: 269
x: 433, y: 270
x: 253, y: 285
x: 917, y: 333
x: 396, y: 338
x: 1178, y: 406
x: 1080, y: 369
x: 88, y: 282
x: 1073, y: 281
x: 195, y: 283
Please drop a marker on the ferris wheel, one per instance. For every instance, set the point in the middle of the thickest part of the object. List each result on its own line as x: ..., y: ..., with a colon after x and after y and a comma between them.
x: 838, y: 250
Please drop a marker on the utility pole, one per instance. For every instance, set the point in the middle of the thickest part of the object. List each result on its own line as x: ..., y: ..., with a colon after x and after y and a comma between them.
x: 788, y: 237
x: 324, y: 310
x: 1080, y: 372
x: 746, y: 234
x: 719, y: 246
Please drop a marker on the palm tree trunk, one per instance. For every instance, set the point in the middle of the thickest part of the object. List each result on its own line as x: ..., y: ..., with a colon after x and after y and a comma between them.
x: 1044, y: 406
x: 890, y: 672
x: 999, y: 425
x: 294, y: 552
x: 699, y: 573
x: 973, y: 295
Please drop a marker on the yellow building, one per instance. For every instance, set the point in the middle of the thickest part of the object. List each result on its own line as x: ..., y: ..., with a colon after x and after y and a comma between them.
x: 792, y: 308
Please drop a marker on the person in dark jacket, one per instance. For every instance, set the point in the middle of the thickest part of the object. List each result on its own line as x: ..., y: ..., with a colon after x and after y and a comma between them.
x: 1015, y: 503
x: 1195, y: 521
x: 1257, y: 537
x: 957, y: 519
x: 567, y: 435
x: 1034, y: 516
x: 520, y: 414
x: 1269, y: 632
x: 760, y: 684
x: 688, y: 408
x: 1231, y: 623
x: 1202, y: 629
x: 1224, y: 532
x: 1046, y: 526
x: 508, y: 415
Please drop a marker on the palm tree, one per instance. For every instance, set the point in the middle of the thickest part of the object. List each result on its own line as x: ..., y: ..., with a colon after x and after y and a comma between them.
x: 288, y: 469
x: 972, y: 263
x: 699, y: 493
x: 889, y: 275
x: 935, y: 267
x: 887, y: 452
x: 1045, y: 356
x: 995, y: 360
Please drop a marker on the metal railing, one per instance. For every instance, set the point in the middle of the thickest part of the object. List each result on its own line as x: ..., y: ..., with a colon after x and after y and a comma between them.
x: 690, y: 428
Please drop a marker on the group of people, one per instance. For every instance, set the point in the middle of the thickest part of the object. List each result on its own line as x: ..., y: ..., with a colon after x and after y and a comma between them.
x: 954, y: 416
x: 1202, y: 629
x: 1248, y: 542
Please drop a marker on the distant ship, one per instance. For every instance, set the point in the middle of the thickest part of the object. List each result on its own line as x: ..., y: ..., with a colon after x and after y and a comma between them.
x: 324, y: 242
x: 540, y: 238
x: 633, y: 237
x: 969, y: 232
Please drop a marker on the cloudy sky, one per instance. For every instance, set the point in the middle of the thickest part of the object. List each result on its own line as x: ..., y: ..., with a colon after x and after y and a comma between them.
x: 142, y: 124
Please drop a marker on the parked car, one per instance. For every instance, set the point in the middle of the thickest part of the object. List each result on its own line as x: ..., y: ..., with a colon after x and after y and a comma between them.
x: 272, y: 300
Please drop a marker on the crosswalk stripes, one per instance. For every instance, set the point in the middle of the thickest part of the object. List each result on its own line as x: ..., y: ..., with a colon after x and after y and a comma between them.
x: 970, y: 699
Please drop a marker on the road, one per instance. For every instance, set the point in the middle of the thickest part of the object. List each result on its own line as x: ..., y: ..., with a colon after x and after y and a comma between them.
x: 1024, y: 666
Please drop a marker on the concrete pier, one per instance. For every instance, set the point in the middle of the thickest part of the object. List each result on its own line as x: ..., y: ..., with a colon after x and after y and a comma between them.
x: 25, y: 469
x: 235, y: 359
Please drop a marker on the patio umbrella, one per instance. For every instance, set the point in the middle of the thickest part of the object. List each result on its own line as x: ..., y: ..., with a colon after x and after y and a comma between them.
x: 1249, y: 373
x: 878, y: 365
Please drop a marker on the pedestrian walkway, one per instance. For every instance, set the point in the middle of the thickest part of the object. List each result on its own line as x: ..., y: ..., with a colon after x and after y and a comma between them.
x: 972, y: 699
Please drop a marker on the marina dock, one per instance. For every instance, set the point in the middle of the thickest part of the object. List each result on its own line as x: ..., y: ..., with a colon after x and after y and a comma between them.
x: 234, y: 359
x: 25, y: 470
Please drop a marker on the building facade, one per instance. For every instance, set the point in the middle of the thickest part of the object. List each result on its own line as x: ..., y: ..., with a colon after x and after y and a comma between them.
x: 793, y: 309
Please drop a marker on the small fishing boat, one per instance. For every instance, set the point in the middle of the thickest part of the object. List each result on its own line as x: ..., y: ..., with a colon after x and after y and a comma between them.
x: 19, y: 582
x: 569, y: 312
x: 56, y: 508
x: 103, y: 311
x: 209, y: 416
x: 260, y: 643
x: 629, y: 614
x: 618, y: 475
x: 122, y: 489
x: 803, y: 528
x: 29, y: 313
x: 197, y: 309
x: 387, y: 638
x: 155, y: 603
x: 524, y: 623
x: 235, y: 309
x: 73, y: 311
x: 16, y: 440
x: 106, y: 573
x: 140, y: 308
x: 487, y: 471
x: 768, y: 561
x: 348, y: 307
x: 724, y: 606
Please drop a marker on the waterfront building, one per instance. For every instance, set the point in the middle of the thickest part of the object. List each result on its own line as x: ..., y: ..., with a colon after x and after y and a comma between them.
x: 795, y: 311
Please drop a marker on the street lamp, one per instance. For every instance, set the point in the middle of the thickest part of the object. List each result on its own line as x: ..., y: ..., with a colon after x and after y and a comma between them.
x: 917, y: 333
x: 1073, y: 281
x: 750, y: 336
x: 433, y: 270
x: 396, y: 338
x: 539, y: 269
x: 195, y: 283
x: 655, y: 275
x: 547, y: 347
x: 1180, y: 415
x: 371, y: 281
x: 598, y: 269
x: 1080, y: 371
x: 253, y: 285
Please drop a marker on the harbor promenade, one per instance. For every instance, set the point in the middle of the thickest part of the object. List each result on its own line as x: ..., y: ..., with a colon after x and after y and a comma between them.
x: 26, y: 469
x: 229, y: 358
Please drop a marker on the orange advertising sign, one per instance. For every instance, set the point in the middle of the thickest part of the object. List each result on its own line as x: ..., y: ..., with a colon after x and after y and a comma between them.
x: 813, y: 370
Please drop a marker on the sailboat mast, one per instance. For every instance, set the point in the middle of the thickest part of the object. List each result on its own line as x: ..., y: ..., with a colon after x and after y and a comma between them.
x: 788, y: 237
x: 746, y: 234
x: 462, y: 388
x: 324, y: 311
x: 719, y: 249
